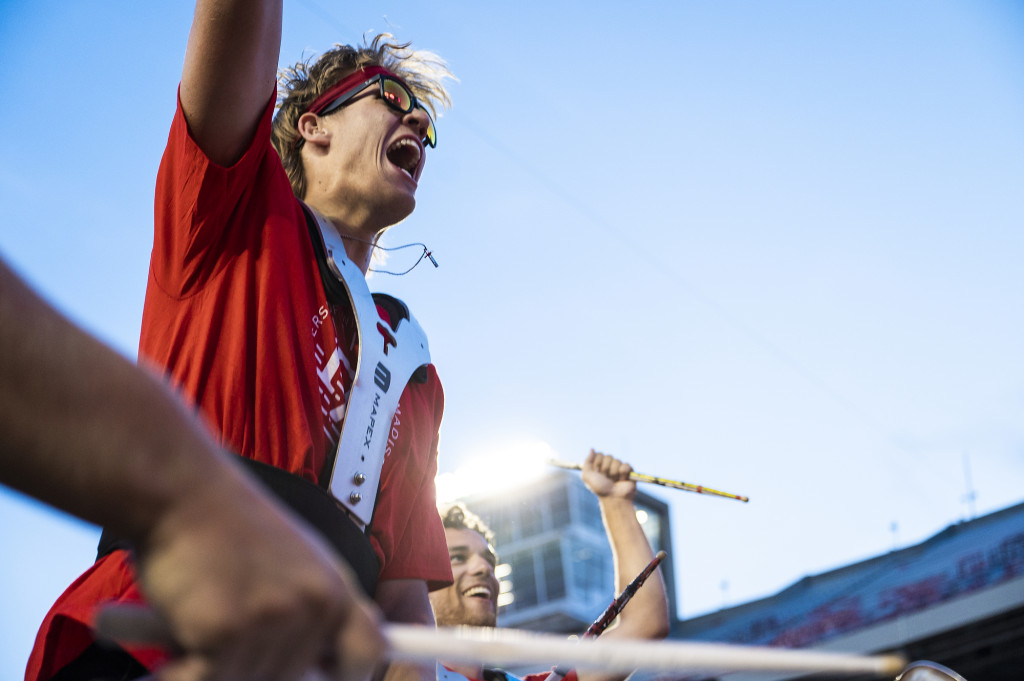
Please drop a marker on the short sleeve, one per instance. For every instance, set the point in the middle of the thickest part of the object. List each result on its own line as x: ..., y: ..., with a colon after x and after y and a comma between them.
x: 196, y: 203
x: 407, y: 531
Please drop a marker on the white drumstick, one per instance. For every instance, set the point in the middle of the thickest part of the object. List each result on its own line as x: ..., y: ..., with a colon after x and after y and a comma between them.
x: 511, y: 647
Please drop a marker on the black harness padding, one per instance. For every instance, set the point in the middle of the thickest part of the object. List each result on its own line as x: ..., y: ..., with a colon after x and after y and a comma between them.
x: 316, y: 506
x: 336, y: 292
x: 498, y: 675
x: 104, y: 660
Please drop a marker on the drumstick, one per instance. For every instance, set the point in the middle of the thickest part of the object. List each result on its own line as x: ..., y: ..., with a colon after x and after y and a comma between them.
x: 613, y: 610
x: 664, y: 482
x: 508, y: 647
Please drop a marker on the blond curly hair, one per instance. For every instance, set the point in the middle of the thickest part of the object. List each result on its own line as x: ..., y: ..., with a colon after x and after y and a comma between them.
x: 298, y: 86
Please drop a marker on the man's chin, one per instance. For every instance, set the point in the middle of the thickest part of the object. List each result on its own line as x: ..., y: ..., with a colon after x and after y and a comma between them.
x: 482, y: 619
x: 397, y: 207
x: 478, y: 615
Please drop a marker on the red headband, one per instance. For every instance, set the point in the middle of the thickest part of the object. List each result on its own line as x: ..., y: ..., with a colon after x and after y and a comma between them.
x: 346, y: 84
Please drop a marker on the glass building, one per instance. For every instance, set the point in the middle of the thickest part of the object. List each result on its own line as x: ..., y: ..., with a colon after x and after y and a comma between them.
x: 555, y: 566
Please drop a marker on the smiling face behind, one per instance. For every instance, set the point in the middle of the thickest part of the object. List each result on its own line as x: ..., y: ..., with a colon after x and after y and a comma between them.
x: 473, y: 597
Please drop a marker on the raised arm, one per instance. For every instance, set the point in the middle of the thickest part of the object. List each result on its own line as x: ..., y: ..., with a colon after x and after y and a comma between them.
x: 83, y: 429
x: 230, y: 72
x: 646, y: 615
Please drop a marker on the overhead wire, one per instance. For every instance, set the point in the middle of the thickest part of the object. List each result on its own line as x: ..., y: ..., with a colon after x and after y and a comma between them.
x: 642, y: 251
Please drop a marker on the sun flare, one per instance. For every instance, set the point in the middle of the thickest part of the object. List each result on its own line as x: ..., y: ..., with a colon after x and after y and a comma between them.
x: 500, y: 468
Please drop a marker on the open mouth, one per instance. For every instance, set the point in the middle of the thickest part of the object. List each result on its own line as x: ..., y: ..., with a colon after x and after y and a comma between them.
x: 478, y: 592
x: 406, y: 155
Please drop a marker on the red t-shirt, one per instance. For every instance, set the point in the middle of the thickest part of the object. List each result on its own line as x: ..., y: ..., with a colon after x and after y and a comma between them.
x: 236, y: 317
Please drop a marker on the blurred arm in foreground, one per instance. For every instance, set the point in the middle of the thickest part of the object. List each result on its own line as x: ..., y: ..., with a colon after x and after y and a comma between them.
x: 243, y: 587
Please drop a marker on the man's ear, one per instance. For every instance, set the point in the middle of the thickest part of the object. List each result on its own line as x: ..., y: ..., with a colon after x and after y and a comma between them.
x: 311, y: 130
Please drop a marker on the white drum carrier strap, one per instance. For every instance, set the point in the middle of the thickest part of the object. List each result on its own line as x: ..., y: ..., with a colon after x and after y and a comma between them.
x: 387, y: 359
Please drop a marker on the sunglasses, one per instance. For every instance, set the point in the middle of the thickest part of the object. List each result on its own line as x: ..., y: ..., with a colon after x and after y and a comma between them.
x: 393, y: 91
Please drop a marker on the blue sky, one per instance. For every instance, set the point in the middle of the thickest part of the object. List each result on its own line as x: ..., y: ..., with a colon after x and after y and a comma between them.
x: 770, y: 247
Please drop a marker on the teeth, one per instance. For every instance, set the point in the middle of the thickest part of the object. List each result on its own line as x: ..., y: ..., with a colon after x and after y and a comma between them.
x: 478, y: 591
x: 410, y: 160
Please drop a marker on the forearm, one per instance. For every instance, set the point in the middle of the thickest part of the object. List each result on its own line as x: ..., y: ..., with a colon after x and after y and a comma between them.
x: 229, y: 73
x: 646, y: 614
x: 84, y: 429
x: 406, y: 601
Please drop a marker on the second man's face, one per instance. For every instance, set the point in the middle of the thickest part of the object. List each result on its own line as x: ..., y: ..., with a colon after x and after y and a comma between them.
x: 473, y: 598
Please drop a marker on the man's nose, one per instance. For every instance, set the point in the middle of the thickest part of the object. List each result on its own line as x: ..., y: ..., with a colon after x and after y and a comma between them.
x: 419, y: 121
x: 480, y: 566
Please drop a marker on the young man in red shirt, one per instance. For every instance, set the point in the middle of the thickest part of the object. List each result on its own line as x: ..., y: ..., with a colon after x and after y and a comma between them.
x: 472, y: 599
x: 257, y: 224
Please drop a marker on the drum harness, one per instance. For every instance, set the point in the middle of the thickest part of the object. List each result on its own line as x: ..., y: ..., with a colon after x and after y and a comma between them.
x: 381, y: 373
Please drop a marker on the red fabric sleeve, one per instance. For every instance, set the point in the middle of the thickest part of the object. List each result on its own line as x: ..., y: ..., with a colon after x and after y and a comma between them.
x: 406, y: 531
x: 232, y: 295
x: 196, y: 199
x: 67, y: 629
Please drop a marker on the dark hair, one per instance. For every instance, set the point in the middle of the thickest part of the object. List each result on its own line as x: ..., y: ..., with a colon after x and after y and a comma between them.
x: 458, y: 517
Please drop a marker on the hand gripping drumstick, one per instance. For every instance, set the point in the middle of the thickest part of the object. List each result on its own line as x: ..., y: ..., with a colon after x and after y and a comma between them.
x: 664, y: 482
x: 507, y: 647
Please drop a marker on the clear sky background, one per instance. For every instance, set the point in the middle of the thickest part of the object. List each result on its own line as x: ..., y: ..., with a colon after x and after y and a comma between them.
x: 770, y: 247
